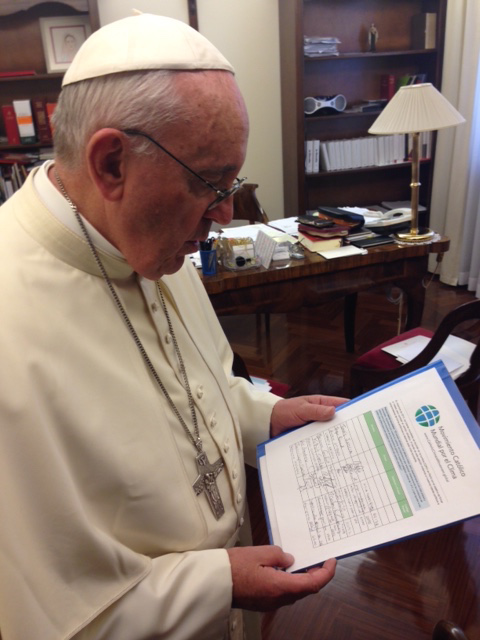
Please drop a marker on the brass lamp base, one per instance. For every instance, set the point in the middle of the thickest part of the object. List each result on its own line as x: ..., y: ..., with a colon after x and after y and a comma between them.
x: 415, y: 235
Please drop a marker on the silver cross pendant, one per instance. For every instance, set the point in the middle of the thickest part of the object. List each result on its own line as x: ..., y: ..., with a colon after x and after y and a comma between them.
x: 207, y: 481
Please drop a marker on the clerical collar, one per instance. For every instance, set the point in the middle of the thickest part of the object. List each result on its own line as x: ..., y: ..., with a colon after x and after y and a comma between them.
x: 60, y: 209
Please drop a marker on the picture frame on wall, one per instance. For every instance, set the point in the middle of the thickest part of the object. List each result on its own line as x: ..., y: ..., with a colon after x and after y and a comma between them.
x: 62, y: 37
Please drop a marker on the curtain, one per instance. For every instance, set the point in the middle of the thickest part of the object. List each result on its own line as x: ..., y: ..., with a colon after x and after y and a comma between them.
x: 469, y: 272
x: 455, y: 208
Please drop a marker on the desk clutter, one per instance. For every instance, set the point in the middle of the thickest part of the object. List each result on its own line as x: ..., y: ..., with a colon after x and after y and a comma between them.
x: 331, y: 232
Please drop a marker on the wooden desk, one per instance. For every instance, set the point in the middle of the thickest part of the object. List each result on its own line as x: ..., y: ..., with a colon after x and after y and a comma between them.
x: 314, y: 280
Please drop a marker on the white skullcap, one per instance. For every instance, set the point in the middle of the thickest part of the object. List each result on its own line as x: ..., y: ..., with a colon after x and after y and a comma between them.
x: 143, y: 42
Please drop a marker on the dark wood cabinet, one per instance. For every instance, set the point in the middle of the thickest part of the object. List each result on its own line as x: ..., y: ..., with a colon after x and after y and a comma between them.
x: 21, y: 49
x: 355, y: 73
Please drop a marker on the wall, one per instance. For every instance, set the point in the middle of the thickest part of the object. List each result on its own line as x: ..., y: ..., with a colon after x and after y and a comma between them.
x: 246, y: 33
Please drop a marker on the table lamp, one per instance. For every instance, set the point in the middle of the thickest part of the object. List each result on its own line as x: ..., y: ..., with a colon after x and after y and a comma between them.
x: 413, y: 109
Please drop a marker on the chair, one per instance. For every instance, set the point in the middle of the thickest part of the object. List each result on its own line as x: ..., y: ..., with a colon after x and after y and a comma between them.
x: 246, y: 205
x: 376, y: 367
x: 446, y: 630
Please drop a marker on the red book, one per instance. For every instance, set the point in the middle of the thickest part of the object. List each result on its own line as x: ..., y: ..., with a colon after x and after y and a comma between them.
x: 316, y: 244
x: 387, y: 86
x: 325, y: 232
x: 15, y: 74
x: 40, y: 119
x: 11, y: 127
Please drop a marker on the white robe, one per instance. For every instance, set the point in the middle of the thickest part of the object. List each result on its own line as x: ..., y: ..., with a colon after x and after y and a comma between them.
x: 97, y: 505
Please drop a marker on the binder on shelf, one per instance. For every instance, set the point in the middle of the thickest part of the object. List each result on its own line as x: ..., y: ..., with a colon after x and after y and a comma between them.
x: 308, y: 156
x: 23, y: 112
x: 316, y: 156
x: 10, y: 122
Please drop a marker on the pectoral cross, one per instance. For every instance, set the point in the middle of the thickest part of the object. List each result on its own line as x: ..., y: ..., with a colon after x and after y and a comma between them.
x: 207, y: 481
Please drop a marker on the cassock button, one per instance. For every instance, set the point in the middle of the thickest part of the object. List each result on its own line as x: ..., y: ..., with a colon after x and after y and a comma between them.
x: 234, y: 474
x: 239, y: 498
x: 213, y: 421
x: 241, y: 521
x: 200, y: 391
x: 154, y: 307
x: 168, y: 338
x: 226, y: 446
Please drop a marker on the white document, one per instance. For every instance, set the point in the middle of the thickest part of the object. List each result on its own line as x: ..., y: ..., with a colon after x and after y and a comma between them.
x: 455, y: 353
x: 285, y: 225
x: 396, y: 462
x: 341, y: 252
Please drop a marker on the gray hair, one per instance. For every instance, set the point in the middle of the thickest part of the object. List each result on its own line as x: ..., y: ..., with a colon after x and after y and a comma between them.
x: 134, y: 100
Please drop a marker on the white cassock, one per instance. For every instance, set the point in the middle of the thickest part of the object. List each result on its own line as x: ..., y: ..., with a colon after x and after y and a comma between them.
x: 101, y: 534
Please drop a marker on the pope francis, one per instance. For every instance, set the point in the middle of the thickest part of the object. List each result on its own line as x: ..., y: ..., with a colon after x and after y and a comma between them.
x: 123, y: 432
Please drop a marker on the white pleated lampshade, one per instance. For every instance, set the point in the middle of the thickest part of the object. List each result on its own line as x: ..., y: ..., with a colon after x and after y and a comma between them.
x: 415, y: 108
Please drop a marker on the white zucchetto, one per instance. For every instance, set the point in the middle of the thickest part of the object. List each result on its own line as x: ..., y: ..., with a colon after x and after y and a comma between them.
x: 143, y: 42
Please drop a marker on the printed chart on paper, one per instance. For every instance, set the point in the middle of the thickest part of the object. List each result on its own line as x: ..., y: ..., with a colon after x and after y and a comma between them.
x: 347, y: 481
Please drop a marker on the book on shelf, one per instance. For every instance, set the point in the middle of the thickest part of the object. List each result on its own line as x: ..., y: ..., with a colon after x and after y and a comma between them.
x: 368, y: 151
x: 316, y: 156
x: 408, y: 79
x: 396, y: 462
x: 388, y: 86
x: 26, y: 129
x: 317, y: 244
x: 424, y: 31
x: 10, y: 123
x: 308, y: 156
x: 16, y: 74
x: 40, y: 119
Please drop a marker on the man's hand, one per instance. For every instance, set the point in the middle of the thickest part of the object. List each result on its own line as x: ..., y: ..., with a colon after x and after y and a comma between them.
x: 259, y: 585
x: 293, y: 412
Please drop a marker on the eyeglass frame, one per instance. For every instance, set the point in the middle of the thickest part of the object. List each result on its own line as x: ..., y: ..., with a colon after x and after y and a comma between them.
x: 221, y: 194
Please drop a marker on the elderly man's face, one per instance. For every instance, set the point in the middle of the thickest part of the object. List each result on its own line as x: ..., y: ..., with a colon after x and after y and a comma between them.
x: 165, y: 211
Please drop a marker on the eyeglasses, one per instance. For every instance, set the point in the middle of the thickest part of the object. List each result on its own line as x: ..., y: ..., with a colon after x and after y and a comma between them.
x: 221, y: 194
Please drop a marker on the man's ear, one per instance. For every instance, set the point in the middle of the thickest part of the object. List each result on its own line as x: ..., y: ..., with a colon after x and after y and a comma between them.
x: 106, y: 158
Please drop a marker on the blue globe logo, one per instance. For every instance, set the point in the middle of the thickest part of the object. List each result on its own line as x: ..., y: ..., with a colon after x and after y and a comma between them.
x: 427, y: 416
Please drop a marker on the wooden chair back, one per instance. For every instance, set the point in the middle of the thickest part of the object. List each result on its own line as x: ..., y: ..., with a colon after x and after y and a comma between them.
x: 246, y: 205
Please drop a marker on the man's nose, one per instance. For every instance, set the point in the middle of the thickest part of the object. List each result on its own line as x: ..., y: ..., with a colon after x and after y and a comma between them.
x: 222, y: 214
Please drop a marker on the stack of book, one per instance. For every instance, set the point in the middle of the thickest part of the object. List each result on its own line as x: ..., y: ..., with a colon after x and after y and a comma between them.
x: 28, y: 122
x: 368, y: 151
x: 321, y: 238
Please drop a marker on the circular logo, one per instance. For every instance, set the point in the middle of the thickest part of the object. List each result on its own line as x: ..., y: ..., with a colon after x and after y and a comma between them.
x: 427, y: 416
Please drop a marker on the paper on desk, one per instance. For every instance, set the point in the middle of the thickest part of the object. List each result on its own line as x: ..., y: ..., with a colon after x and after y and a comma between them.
x: 245, y: 231
x: 287, y: 225
x: 341, y: 252
x: 455, y: 353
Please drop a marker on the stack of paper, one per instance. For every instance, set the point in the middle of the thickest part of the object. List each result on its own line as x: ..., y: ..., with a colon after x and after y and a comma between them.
x: 396, y: 462
x: 455, y: 353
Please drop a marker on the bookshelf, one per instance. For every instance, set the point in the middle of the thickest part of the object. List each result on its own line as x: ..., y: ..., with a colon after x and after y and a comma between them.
x: 21, y: 48
x: 355, y: 73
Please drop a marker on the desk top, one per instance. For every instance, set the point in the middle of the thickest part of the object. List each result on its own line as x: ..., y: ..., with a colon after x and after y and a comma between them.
x: 313, y: 265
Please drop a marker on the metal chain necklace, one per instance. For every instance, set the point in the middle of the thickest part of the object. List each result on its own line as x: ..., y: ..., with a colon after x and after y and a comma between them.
x: 207, y: 473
